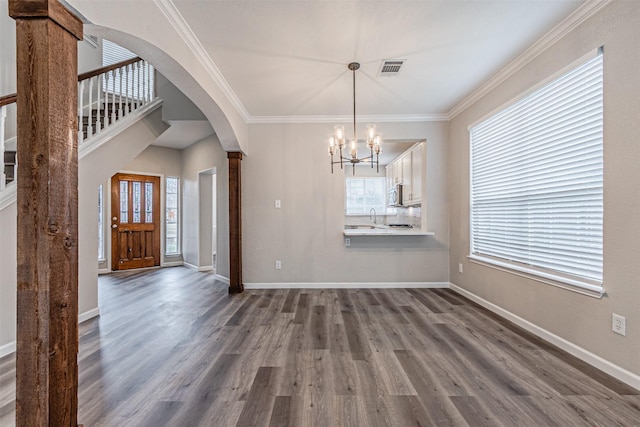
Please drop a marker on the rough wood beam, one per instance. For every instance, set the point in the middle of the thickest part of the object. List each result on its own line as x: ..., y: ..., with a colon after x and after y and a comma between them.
x: 47, y: 192
x: 235, y: 224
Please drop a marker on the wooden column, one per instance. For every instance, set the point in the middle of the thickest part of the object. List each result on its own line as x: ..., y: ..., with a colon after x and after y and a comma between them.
x: 47, y: 346
x: 235, y: 224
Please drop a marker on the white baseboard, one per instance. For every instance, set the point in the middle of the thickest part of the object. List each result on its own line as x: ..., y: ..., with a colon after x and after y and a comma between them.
x: 346, y: 285
x: 7, y: 349
x: 90, y: 314
x: 604, y: 365
x: 223, y: 279
x: 104, y: 271
x: 191, y: 266
x: 173, y: 263
x: 11, y: 347
x: 200, y: 269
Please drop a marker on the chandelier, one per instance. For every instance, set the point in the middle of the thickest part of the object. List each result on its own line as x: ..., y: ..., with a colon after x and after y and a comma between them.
x: 337, y: 141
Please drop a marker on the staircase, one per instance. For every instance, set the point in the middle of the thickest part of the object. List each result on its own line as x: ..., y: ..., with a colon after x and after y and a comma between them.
x: 100, y: 119
x: 9, y: 166
x: 106, y: 96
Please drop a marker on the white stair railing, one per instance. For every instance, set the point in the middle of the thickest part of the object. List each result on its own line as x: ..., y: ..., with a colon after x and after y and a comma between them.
x: 105, y: 95
x: 110, y: 93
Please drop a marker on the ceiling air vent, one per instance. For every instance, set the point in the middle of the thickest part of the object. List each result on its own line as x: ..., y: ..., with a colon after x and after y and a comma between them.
x: 391, y: 67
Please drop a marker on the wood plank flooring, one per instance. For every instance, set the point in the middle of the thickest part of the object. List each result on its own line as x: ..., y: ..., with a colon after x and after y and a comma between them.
x: 172, y: 348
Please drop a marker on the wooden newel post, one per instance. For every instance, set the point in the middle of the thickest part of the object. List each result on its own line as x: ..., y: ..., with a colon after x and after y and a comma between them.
x: 47, y: 344
x: 235, y: 224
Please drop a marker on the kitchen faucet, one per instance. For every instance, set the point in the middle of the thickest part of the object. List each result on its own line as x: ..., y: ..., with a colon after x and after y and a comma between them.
x: 374, y: 215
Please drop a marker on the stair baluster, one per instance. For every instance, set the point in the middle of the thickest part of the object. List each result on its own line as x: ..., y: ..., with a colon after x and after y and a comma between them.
x: 135, y: 90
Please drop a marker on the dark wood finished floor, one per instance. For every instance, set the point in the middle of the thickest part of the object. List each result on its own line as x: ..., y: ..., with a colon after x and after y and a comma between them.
x: 172, y: 348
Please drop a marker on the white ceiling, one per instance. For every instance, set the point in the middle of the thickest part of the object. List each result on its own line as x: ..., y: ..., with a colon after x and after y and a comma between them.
x: 289, y: 58
x: 182, y: 133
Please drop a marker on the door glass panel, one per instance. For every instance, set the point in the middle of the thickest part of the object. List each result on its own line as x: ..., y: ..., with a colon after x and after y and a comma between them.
x: 136, y: 201
x: 148, y: 201
x: 124, y: 201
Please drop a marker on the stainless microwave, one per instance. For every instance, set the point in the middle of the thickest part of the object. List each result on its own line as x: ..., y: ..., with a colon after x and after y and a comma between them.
x: 394, y: 195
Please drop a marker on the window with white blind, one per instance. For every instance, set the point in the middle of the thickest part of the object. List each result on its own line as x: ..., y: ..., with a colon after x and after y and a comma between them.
x: 537, y: 182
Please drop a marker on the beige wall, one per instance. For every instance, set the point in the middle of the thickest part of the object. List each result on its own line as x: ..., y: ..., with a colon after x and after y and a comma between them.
x: 290, y: 163
x: 157, y: 160
x: 582, y: 320
x: 203, y: 156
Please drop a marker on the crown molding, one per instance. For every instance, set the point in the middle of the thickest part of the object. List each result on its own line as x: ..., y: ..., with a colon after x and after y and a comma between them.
x: 389, y: 118
x: 177, y: 21
x: 581, y: 14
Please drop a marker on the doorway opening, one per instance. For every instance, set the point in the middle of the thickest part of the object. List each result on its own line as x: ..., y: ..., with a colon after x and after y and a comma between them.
x: 208, y: 220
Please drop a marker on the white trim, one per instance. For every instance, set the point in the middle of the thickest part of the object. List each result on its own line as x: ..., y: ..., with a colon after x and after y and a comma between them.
x: 172, y: 263
x: 10, y: 347
x: 7, y: 349
x: 223, y: 279
x: 188, y: 265
x: 177, y: 21
x: 11, y: 144
x: 594, y: 360
x: 199, y: 269
x: 91, y: 144
x: 90, y: 314
x: 104, y: 271
x: 558, y: 281
x: 347, y: 285
x: 8, y: 196
x: 90, y: 40
x: 581, y: 14
x: 390, y: 118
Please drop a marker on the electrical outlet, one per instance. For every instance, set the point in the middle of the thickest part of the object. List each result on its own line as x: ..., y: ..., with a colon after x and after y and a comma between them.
x: 618, y: 324
x: 278, y: 204
x: 460, y: 269
x: 347, y: 242
x: 278, y: 265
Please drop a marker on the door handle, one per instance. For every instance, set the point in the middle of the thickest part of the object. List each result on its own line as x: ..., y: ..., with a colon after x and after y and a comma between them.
x: 115, y: 218
x: 114, y: 226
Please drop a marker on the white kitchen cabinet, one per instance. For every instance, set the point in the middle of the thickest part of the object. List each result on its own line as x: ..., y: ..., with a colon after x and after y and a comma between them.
x: 417, y: 165
x: 407, y: 188
x: 408, y: 170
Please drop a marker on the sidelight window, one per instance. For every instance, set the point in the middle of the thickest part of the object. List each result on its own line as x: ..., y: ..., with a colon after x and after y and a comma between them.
x: 172, y: 217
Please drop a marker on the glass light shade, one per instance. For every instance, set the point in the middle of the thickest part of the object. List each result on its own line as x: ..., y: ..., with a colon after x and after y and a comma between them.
x: 371, y: 133
x: 377, y: 141
x: 354, y: 151
x: 339, y: 134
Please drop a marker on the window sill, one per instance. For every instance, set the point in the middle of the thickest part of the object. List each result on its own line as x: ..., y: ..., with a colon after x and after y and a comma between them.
x: 573, y: 285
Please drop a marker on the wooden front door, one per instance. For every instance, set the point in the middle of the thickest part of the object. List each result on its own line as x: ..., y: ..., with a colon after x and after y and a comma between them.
x: 135, y: 221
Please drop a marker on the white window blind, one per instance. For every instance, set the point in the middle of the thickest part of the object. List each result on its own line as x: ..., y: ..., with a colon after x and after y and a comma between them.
x: 136, y: 84
x: 537, y: 179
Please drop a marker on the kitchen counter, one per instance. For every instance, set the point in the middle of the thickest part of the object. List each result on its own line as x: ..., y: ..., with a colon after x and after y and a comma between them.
x: 386, y: 231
